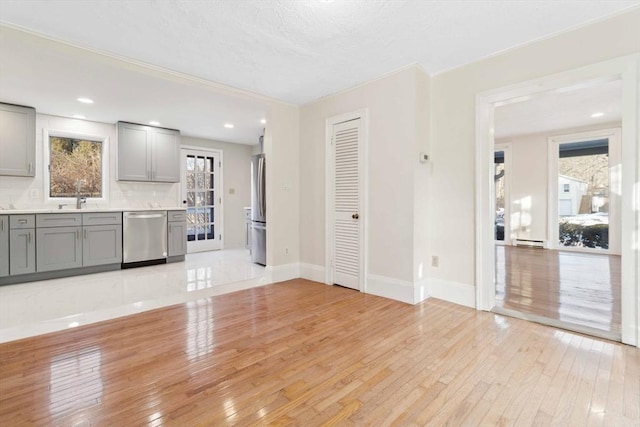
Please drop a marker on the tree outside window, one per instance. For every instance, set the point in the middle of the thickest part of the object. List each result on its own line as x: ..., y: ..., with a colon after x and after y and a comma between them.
x: 74, y: 160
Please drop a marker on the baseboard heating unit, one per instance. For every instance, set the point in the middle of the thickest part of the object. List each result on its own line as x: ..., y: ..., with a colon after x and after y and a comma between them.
x: 530, y: 243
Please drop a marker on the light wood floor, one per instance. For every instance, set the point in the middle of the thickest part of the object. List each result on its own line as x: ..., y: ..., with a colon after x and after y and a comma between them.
x: 307, y: 354
x: 575, y: 288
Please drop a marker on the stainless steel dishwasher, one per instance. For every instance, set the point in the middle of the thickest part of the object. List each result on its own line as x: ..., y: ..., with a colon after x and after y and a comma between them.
x: 144, y: 236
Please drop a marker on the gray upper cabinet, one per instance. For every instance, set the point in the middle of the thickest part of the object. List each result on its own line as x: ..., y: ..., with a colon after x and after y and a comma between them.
x: 17, y: 140
x: 166, y: 156
x: 4, y: 245
x: 147, y: 153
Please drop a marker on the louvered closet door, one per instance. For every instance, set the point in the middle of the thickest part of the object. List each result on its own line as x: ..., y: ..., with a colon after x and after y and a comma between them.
x: 347, y: 229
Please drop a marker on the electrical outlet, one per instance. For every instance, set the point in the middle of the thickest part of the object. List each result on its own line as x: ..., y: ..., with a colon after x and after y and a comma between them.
x: 435, y: 261
x: 286, y: 251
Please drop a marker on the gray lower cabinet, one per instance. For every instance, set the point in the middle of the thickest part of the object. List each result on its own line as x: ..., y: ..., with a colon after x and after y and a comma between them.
x: 58, y: 241
x: 4, y: 245
x: 58, y: 248
x: 102, y: 244
x: 22, y: 243
x: 177, y: 233
x: 94, y: 239
x: 17, y: 140
x: 102, y: 238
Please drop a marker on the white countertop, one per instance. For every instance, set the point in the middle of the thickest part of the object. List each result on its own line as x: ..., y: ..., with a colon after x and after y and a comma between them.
x: 87, y: 210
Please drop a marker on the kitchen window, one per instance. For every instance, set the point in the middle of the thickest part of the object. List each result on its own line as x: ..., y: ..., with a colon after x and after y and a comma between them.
x: 77, y: 164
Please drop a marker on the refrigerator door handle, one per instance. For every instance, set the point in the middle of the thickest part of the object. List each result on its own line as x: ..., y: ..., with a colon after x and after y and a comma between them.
x: 261, y: 186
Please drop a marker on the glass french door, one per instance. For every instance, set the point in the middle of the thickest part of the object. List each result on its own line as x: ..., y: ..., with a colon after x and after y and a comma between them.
x: 584, y: 191
x: 202, y: 199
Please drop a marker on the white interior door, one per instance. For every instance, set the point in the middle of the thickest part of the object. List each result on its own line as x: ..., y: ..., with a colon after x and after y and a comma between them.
x: 347, y: 224
x: 202, y: 197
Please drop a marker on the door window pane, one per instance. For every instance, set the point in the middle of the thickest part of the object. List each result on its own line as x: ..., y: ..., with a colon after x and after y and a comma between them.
x: 583, y: 211
x: 499, y: 173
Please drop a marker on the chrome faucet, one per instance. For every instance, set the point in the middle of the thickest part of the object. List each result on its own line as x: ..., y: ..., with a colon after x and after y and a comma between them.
x: 79, y: 199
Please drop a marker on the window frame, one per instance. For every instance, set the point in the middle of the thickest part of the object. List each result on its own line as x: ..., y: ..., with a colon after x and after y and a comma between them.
x: 103, y: 139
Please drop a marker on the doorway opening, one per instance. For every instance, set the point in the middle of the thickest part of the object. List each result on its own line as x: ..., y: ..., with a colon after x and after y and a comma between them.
x: 536, y: 266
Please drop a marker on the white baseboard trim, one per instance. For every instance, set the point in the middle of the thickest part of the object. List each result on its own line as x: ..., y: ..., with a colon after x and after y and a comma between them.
x: 312, y: 272
x: 421, y: 291
x: 280, y: 273
x: 387, y: 287
x: 457, y: 293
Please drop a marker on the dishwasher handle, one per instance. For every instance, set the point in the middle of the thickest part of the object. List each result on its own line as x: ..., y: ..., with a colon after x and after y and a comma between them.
x: 145, y: 216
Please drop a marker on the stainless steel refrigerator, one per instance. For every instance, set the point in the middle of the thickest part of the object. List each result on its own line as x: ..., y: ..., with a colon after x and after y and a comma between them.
x: 258, y: 211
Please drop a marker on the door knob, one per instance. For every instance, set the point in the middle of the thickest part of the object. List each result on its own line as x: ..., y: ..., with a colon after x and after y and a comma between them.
x: 355, y: 216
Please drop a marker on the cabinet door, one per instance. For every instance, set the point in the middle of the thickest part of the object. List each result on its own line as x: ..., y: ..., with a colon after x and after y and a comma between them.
x: 58, y: 248
x: 177, y: 238
x: 17, y: 140
x: 4, y: 245
x: 22, y: 244
x: 134, y: 152
x: 166, y: 155
x: 102, y: 244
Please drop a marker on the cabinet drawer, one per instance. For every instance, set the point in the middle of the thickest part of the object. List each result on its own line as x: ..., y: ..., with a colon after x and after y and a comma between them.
x: 22, y: 221
x: 58, y: 220
x: 176, y: 216
x: 102, y: 218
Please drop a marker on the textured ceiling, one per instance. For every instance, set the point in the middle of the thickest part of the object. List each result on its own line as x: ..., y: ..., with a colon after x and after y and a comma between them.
x: 301, y: 50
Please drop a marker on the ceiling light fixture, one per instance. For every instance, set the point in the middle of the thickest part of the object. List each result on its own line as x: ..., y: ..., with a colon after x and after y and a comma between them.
x: 594, y: 115
x: 228, y: 125
x: 154, y: 123
x: 263, y: 121
x: 78, y: 116
x: 85, y: 100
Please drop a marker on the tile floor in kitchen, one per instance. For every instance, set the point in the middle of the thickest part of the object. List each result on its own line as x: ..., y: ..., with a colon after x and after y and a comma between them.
x: 35, y: 308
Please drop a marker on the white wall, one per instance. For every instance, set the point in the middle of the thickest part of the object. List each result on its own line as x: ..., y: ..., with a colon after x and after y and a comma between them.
x: 453, y: 104
x: 281, y: 148
x: 237, y: 185
x: 27, y: 193
x: 395, y: 138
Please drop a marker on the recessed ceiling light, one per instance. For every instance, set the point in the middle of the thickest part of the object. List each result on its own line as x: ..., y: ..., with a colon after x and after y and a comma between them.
x: 263, y: 121
x: 85, y: 100
x: 78, y: 116
x: 154, y: 123
x: 594, y: 115
x: 228, y: 125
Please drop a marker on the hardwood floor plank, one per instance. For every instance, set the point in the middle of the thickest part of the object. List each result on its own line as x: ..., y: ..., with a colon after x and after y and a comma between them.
x: 576, y: 288
x: 303, y: 353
